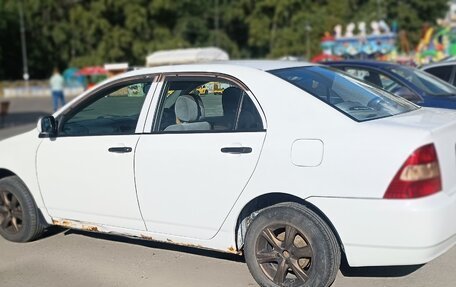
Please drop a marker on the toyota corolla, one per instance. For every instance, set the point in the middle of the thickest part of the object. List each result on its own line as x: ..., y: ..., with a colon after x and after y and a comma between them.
x: 293, y: 165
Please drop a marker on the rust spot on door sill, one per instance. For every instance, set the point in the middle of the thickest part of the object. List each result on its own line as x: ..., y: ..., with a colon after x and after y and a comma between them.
x: 63, y: 223
x: 75, y: 224
x: 233, y: 250
x: 146, y: 237
x: 90, y: 228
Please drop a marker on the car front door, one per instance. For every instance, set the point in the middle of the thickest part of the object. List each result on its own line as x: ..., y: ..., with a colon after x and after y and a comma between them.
x: 86, y: 172
x: 198, y: 157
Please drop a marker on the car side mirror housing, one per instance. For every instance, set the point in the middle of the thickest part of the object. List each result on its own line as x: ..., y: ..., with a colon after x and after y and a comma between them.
x: 48, y: 127
x: 407, y: 94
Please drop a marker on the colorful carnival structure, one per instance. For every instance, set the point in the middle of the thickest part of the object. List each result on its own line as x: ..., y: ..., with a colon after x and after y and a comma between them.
x: 383, y: 42
x: 438, y: 42
x: 380, y: 42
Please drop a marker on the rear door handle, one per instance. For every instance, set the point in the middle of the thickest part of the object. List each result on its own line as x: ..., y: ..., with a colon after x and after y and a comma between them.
x: 120, y: 149
x: 236, y: 150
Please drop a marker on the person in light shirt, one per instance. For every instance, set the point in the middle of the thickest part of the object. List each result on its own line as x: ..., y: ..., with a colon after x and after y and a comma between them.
x: 56, y: 83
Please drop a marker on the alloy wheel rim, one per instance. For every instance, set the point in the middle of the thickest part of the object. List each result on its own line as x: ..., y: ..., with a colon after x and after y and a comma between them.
x: 284, y: 255
x: 11, y: 214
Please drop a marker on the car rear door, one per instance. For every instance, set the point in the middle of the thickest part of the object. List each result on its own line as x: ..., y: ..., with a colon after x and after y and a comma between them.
x: 188, y: 180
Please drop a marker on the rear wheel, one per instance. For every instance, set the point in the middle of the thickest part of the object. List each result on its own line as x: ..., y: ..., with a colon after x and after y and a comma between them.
x: 289, y: 245
x: 20, y: 220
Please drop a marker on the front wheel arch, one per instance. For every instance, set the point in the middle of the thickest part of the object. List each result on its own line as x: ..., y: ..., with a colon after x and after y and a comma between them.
x: 4, y: 173
x: 22, y: 220
x: 256, y: 205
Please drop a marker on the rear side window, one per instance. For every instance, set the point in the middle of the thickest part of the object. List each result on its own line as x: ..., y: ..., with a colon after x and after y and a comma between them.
x: 443, y: 72
x: 426, y: 82
x: 205, y: 104
x: 352, y: 97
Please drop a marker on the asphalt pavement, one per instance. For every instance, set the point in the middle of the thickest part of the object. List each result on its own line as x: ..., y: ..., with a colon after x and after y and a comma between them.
x: 73, y: 258
x: 23, y: 114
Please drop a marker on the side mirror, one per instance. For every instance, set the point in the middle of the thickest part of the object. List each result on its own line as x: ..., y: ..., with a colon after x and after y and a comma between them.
x: 407, y: 94
x: 48, y: 127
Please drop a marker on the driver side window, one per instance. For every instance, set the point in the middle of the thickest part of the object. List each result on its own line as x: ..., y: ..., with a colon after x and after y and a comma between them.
x: 114, y: 111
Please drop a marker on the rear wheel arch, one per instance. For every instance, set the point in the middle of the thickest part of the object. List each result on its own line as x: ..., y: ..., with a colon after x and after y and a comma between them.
x: 256, y: 205
x: 5, y: 173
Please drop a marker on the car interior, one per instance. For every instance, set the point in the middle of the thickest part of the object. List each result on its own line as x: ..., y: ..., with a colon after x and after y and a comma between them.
x: 185, y: 109
x: 356, y: 99
x: 114, y: 112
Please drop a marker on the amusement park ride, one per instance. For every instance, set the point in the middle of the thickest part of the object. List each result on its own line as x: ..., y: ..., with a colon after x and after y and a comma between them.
x: 386, y: 43
x: 379, y: 42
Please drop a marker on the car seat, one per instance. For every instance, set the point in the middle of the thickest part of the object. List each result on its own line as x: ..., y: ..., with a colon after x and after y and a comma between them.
x: 190, y: 112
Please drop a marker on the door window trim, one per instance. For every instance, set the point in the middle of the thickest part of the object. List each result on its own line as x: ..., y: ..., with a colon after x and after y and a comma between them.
x: 152, y: 116
x: 453, y: 76
x: 99, y: 92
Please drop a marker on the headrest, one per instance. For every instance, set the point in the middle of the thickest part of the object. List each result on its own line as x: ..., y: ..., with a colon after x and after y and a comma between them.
x: 188, y: 108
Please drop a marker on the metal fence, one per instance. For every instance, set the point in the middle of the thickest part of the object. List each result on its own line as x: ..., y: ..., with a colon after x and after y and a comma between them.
x: 16, y: 89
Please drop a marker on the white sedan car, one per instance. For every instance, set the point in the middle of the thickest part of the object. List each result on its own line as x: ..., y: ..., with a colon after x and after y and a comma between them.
x: 292, y: 165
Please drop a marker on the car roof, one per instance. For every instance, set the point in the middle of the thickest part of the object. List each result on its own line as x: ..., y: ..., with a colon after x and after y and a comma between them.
x: 439, y: 64
x: 368, y: 63
x: 266, y: 65
x: 263, y: 65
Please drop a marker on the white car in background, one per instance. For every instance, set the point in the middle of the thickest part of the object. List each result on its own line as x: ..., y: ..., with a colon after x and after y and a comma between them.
x: 293, y: 165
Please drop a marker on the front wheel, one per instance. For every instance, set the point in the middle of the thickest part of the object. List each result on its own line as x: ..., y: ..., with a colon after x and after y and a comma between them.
x: 20, y: 220
x: 289, y: 245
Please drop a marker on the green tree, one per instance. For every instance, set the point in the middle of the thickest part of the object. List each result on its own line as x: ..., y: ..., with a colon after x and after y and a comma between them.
x: 10, y: 55
x: 92, y: 32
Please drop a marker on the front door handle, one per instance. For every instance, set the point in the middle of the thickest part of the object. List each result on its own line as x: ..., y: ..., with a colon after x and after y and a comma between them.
x: 236, y: 150
x: 120, y: 149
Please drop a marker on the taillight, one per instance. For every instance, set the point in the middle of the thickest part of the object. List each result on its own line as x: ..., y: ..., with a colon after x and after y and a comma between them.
x: 419, y: 176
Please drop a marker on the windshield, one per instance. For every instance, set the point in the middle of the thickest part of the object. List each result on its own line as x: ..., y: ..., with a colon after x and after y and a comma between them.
x: 352, y: 97
x: 429, y: 84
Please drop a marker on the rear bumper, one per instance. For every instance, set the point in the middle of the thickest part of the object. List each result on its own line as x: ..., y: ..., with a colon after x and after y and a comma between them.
x: 379, y: 232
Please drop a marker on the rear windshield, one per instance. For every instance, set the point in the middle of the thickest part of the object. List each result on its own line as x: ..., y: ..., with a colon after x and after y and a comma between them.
x: 356, y: 99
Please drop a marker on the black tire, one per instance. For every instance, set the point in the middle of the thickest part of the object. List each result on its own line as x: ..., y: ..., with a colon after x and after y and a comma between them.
x: 311, y: 258
x: 20, y: 219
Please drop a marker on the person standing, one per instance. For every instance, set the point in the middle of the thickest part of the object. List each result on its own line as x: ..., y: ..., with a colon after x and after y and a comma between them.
x: 56, y: 83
